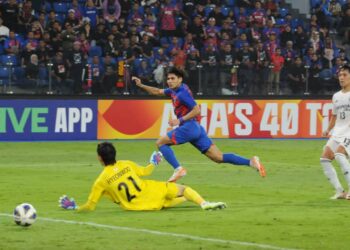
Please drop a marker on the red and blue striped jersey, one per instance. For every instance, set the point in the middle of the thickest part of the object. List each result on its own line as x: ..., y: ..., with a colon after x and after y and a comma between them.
x: 182, y: 99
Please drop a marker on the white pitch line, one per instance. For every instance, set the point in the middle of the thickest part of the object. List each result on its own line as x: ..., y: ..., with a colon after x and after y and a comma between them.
x: 148, y: 231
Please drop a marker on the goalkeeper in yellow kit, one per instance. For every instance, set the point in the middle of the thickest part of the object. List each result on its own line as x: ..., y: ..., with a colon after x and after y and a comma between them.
x: 120, y: 182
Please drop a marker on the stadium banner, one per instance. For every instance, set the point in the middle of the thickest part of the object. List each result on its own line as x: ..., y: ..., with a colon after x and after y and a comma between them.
x: 146, y: 119
x: 30, y: 120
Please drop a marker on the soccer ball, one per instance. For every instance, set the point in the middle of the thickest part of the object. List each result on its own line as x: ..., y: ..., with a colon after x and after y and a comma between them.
x: 24, y: 214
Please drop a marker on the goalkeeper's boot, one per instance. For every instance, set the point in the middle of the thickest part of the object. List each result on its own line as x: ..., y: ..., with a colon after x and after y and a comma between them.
x: 255, y: 163
x: 179, y: 172
x: 213, y: 205
x: 339, y: 196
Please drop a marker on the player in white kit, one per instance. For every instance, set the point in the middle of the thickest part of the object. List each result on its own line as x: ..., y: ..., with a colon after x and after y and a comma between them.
x: 338, y: 145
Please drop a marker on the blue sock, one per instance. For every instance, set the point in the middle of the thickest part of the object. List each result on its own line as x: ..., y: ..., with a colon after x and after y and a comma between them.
x: 169, y: 155
x: 235, y: 159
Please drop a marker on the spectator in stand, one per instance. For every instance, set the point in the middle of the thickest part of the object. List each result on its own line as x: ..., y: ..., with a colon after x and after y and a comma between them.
x: 61, y: 83
x: 182, y: 28
x: 95, y: 72
x: 110, y: 76
x: 72, y: 20
x: 217, y: 15
x: 277, y: 63
x: 210, y: 60
x: 258, y: 17
x: 68, y: 37
x: 192, y: 62
x: 188, y: 9
x: 26, y: 17
x: 270, y: 29
x: 125, y: 6
x: 44, y: 53
x: 316, y: 43
x: 30, y: 45
x: 296, y: 76
x: 12, y: 44
x: 286, y: 35
x: 242, y: 20
x: 244, y: 3
x: 315, y: 65
x: 289, y: 54
x: 272, y: 44
x: 334, y: 17
x: 10, y: 11
x: 227, y: 61
x: 4, y: 32
x: 78, y: 10
x: 126, y: 52
x: 168, y: 13
x: 197, y: 30
x: 91, y: 12
x: 144, y: 71
x: 272, y: 7
x: 345, y: 27
x: 31, y: 71
x: 111, y: 11
x: 76, y: 62
x: 110, y: 47
x: 134, y: 13
x: 246, y: 59
x: 300, y: 39
x: 261, y: 69
x: 147, y: 46
x: 239, y: 43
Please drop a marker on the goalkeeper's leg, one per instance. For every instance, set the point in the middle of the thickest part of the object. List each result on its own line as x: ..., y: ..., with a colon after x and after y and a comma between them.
x: 174, y: 202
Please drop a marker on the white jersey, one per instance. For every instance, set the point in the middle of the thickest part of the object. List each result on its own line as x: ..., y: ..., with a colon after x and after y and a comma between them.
x: 341, y: 108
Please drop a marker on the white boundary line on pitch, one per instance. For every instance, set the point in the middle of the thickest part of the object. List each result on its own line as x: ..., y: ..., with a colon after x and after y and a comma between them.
x: 148, y: 231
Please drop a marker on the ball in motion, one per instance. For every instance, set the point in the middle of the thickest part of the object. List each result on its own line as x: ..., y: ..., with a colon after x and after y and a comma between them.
x: 24, y: 214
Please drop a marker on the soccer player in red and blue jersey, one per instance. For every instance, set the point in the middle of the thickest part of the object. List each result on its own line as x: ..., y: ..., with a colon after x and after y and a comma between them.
x: 189, y: 129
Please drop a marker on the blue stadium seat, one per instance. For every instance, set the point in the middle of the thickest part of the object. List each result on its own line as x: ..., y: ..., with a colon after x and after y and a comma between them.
x: 283, y: 12
x: 4, y: 75
x: 60, y: 8
x: 280, y: 21
x: 5, y: 59
x: 207, y: 10
x: 225, y: 10
x: 95, y: 51
x: 231, y: 3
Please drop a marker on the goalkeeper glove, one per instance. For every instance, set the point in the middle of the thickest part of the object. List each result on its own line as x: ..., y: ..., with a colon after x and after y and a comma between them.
x: 67, y: 203
x: 156, y: 158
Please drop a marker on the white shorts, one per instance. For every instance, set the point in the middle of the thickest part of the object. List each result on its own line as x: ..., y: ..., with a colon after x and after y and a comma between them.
x: 334, y: 142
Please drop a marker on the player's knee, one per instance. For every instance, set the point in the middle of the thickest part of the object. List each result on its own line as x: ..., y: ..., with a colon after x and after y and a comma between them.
x: 339, y: 156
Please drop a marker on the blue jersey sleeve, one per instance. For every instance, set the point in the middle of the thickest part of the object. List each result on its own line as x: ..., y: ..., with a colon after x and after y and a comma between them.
x: 187, y: 100
x: 167, y: 92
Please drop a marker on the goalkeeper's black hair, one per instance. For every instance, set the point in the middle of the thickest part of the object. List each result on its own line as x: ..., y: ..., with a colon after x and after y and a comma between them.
x: 176, y: 71
x: 107, y: 152
x: 345, y: 67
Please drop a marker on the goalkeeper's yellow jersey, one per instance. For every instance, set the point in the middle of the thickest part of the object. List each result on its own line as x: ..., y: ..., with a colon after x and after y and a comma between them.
x: 122, y: 184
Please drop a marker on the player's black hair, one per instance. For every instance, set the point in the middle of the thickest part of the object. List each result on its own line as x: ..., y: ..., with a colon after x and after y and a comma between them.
x: 345, y: 67
x: 107, y: 152
x: 176, y: 71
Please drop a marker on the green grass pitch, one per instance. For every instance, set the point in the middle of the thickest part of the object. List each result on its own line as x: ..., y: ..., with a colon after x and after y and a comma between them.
x: 289, y: 209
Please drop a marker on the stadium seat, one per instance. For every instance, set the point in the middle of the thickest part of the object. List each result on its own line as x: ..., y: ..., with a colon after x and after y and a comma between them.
x: 4, y: 75
x: 207, y: 10
x: 231, y: 3
x: 225, y: 10
x: 283, y: 12
x: 95, y: 51
x: 6, y: 59
x: 60, y: 8
x: 280, y: 21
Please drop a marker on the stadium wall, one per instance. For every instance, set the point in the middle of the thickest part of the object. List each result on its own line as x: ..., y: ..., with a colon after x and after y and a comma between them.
x: 104, y: 119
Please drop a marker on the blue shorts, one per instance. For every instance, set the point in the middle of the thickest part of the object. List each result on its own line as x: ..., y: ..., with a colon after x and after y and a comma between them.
x: 193, y: 132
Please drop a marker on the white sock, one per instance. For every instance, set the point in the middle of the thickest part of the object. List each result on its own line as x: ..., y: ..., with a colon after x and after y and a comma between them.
x: 345, y: 166
x: 331, y: 174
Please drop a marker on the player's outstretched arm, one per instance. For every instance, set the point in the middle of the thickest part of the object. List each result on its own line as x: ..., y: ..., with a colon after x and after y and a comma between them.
x: 148, y: 89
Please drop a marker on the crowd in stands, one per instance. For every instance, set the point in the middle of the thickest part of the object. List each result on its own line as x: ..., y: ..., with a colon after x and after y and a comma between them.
x: 225, y: 46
